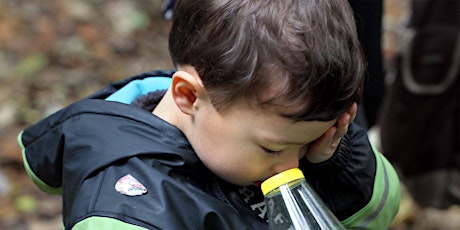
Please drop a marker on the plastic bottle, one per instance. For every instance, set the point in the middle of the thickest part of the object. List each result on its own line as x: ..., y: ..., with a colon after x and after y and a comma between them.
x: 292, y: 204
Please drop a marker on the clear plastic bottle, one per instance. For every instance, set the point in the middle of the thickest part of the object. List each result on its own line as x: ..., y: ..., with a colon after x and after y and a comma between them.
x: 292, y: 204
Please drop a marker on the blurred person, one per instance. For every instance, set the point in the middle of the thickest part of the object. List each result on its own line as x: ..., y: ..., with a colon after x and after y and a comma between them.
x: 167, y: 7
x: 368, y: 16
x: 420, y: 117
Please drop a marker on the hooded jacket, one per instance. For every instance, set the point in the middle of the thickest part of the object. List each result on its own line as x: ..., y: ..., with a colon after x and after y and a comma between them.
x: 118, y: 166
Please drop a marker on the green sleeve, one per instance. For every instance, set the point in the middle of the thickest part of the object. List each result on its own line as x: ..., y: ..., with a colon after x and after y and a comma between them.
x: 98, y: 222
x: 384, y: 203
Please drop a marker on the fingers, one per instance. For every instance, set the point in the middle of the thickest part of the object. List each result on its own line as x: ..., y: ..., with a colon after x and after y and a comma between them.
x: 352, y: 111
x: 343, y: 122
x: 324, y: 147
x: 342, y: 126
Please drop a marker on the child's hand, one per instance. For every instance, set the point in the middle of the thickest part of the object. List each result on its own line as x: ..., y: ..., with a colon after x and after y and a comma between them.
x: 324, y: 147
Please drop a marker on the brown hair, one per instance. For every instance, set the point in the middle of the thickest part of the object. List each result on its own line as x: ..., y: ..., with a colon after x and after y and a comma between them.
x: 307, y: 50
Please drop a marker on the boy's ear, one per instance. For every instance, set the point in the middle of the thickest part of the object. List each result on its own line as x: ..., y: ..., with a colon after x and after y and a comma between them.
x: 186, y: 88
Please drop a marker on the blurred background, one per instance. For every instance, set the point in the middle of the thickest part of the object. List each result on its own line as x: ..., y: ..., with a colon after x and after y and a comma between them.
x: 55, y: 52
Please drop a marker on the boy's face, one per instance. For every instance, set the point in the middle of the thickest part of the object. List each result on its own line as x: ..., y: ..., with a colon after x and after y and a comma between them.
x: 245, y: 146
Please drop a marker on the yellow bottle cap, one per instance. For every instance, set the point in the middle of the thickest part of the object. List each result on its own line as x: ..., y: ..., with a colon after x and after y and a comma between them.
x: 281, y: 178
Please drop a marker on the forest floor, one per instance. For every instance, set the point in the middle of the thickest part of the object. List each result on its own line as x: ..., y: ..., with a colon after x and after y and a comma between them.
x: 55, y: 52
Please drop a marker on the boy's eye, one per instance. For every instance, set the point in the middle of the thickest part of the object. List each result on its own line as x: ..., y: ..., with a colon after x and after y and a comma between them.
x: 269, y: 151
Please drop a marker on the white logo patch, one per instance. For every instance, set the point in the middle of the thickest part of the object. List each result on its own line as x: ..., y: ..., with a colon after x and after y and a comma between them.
x: 130, y: 186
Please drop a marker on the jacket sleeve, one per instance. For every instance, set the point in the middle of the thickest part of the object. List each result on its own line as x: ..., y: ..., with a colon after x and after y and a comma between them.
x: 359, y: 185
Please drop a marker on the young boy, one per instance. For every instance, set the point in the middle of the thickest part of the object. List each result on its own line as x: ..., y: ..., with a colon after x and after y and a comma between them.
x: 260, y: 87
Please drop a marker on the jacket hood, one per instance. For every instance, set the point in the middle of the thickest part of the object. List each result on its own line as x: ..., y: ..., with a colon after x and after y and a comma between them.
x: 106, y: 130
